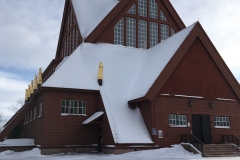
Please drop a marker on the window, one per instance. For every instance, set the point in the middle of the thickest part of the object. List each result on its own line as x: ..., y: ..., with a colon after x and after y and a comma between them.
x: 65, y: 105
x: 153, y: 34
x: 164, y: 31
x: 25, y: 119
x: 162, y: 16
x: 221, y: 122
x: 132, y: 10
x: 172, y: 31
x: 119, y: 32
x: 144, y: 26
x: 153, y: 9
x: 73, y: 107
x: 30, y: 116
x: 35, y: 113
x: 82, y: 107
x: 142, y: 8
x: 177, y: 120
x: 142, y: 34
x: 131, y: 32
x: 40, y: 110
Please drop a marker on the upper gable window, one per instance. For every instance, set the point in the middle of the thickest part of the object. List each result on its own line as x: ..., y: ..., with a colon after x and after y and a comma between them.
x: 153, y: 9
x: 162, y: 16
x: 132, y: 10
x: 172, y: 31
x: 142, y: 34
x: 142, y: 8
x: 119, y: 32
x: 143, y: 26
x: 131, y: 32
x: 164, y: 31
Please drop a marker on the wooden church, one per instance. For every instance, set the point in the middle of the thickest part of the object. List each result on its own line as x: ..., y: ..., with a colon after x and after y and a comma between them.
x: 128, y: 75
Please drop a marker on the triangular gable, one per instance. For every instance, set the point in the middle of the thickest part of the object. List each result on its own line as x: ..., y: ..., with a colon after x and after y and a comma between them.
x: 154, y: 63
x: 105, y: 28
x: 69, y: 38
x: 197, y: 32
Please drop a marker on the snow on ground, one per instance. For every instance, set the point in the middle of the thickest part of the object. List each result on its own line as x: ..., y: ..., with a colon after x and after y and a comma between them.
x: 174, y: 153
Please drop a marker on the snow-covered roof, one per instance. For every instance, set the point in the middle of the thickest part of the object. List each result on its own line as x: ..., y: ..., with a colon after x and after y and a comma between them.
x: 93, y: 117
x: 90, y: 13
x: 128, y: 73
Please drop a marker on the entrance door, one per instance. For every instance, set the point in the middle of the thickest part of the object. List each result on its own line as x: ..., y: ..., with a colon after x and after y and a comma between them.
x: 201, y: 128
x: 99, y: 139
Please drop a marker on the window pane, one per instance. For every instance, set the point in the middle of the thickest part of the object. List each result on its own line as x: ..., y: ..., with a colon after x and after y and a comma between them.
x: 162, y: 16
x: 172, y: 31
x: 164, y: 31
x: 132, y: 10
x: 131, y: 32
x: 142, y: 8
x: 153, y: 34
x: 119, y: 32
x: 142, y: 34
x: 153, y: 9
x: 63, y: 102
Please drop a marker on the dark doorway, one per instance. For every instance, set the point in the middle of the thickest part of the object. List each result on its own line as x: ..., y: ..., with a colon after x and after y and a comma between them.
x: 201, y: 128
x: 16, y: 132
x: 99, y: 139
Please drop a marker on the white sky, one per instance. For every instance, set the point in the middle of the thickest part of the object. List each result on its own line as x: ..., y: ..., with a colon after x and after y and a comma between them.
x: 29, y: 34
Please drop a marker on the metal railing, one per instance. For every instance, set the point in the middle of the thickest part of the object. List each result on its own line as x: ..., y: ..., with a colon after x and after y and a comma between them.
x: 231, y: 139
x: 190, y: 138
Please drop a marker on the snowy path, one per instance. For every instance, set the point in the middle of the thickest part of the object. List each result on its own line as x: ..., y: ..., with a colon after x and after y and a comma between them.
x: 174, y: 153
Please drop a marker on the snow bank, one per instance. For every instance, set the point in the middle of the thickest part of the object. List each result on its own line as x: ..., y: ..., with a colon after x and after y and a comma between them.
x: 17, y: 142
x: 177, y: 151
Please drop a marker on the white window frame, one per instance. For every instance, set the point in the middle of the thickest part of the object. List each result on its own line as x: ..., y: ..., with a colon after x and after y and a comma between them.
x: 177, y: 120
x: 222, y: 122
x: 83, y: 106
x: 70, y: 106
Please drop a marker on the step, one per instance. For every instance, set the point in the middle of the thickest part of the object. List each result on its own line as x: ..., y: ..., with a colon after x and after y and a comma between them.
x: 220, y: 150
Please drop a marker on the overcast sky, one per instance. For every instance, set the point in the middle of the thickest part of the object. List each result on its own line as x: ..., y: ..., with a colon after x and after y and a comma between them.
x: 29, y: 31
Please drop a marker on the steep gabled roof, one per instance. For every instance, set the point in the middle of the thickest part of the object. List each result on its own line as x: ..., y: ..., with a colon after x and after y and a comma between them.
x: 123, y: 68
x: 92, y: 14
